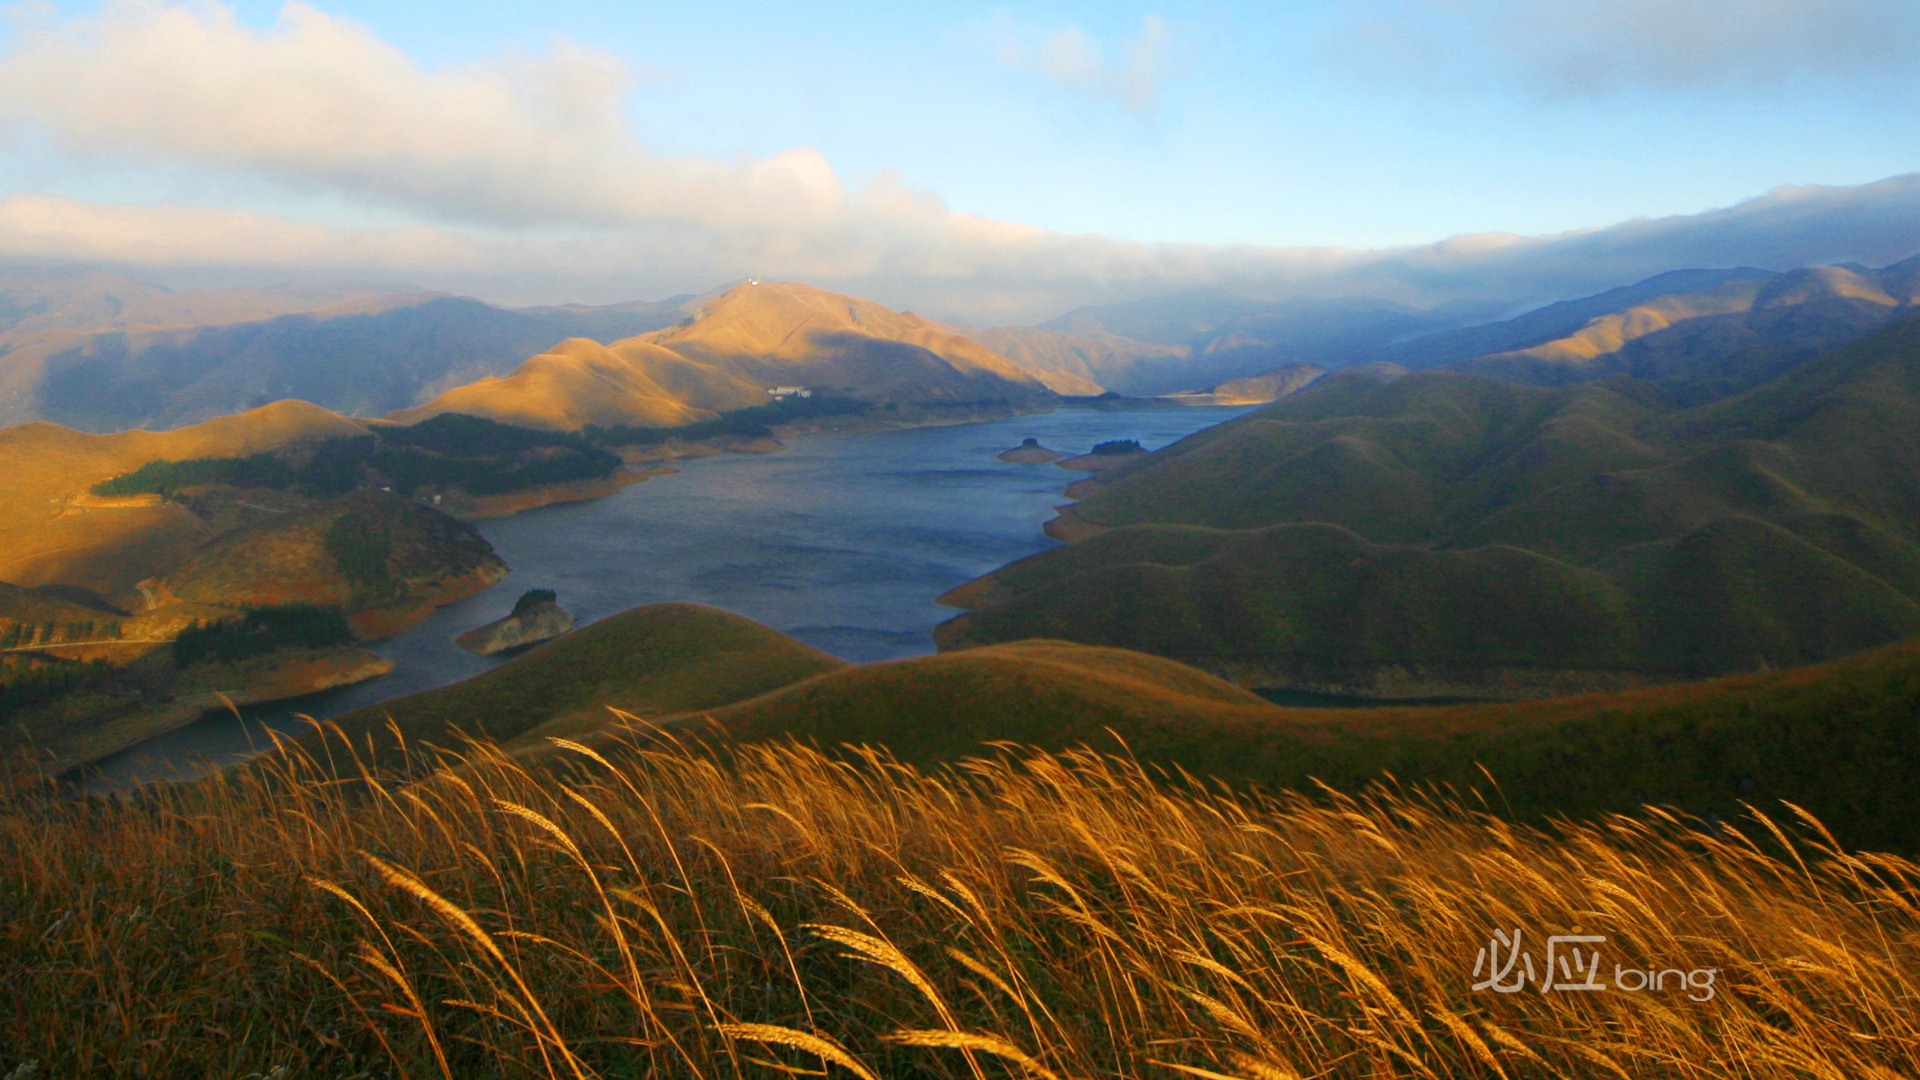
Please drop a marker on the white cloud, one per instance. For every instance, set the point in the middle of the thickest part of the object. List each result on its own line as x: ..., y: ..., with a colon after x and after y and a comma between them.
x: 319, y: 102
x: 527, y: 184
x: 1586, y: 48
x: 958, y: 266
x: 1071, y: 59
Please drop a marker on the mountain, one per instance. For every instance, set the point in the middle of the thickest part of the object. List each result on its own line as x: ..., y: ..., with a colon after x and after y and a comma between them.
x: 1444, y: 534
x: 1079, y: 365
x: 1199, y: 338
x: 1700, y: 335
x: 734, y: 347
x: 110, y: 357
x: 34, y: 299
x: 580, y: 382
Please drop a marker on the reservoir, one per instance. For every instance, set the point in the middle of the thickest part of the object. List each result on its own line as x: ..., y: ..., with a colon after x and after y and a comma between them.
x: 842, y: 541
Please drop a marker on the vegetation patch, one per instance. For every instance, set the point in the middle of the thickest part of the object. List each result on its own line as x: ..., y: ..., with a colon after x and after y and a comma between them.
x: 24, y: 685
x: 1118, y: 446
x: 363, y: 551
x: 261, y: 631
x: 533, y: 598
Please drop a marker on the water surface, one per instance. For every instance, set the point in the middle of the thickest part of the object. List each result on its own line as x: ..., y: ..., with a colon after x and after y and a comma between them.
x: 842, y: 541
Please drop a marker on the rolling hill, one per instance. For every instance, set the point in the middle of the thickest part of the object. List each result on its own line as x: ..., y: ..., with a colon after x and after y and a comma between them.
x: 1834, y: 738
x: 660, y: 660
x: 1443, y: 534
x: 733, y: 348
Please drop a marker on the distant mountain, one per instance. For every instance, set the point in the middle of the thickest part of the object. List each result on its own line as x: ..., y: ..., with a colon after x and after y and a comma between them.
x: 1197, y: 339
x: 76, y: 298
x: 736, y: 346
x: 1445, y: 534
x: 1700, y: 335
x: 102, y: 353
x: 1080, y: 365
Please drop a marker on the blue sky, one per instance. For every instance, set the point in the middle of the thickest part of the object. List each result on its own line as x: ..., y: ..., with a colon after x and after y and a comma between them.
x: 1281, y: 126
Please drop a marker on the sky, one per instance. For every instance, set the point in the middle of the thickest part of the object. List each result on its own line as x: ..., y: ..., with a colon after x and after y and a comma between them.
x: 992, y: 163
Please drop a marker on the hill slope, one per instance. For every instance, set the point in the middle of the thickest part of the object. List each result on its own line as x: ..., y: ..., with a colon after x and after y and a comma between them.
x: 650, y: 661
x: 1827, y: 737
x: 733, y: 348
x: 53, y: 532
x: 1444, y: 534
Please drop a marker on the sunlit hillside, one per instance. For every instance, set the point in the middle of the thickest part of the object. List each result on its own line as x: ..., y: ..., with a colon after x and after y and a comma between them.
x: 736, y: 345
x: 661, y: 909
x: 53, y: 530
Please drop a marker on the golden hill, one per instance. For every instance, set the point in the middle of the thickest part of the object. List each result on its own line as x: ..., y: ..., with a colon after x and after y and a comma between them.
x: 731, y: 351
x: 53, y: 531
x: 580, y: 382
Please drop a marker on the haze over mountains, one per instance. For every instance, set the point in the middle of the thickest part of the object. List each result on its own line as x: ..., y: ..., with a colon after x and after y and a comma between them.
x: 103, y: 353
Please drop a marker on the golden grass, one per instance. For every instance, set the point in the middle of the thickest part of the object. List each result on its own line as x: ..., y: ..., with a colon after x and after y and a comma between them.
x: 667, y: 909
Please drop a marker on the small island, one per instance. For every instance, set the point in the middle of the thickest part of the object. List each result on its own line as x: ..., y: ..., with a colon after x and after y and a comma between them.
x: 535, y: 618
x: 1104, y: 455
x: 1030, y: 452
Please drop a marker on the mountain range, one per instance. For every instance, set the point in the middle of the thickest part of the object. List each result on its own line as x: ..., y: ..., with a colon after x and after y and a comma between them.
x: 1445, y: 533
x: 105, y: 353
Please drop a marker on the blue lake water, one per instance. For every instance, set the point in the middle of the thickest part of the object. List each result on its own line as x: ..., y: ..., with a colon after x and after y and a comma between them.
x: 842, y: 541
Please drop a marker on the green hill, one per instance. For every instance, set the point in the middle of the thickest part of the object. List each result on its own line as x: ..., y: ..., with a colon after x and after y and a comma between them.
x: 1837, y: 738
x: 649, y: 661
x: 1445, y: 534
x: 382, y: 559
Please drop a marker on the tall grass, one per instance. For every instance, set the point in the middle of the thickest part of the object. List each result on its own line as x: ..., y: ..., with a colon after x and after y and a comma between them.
x: 669, y: 909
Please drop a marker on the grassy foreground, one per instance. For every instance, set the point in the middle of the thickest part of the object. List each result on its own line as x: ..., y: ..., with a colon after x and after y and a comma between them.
x: 670, y: 909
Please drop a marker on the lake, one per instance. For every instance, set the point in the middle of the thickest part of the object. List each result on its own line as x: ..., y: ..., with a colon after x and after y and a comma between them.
x: 842, y: 541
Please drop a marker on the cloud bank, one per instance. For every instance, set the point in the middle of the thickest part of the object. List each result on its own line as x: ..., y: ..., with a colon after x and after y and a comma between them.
x: 526, y: 183
x: 1594, y: 48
